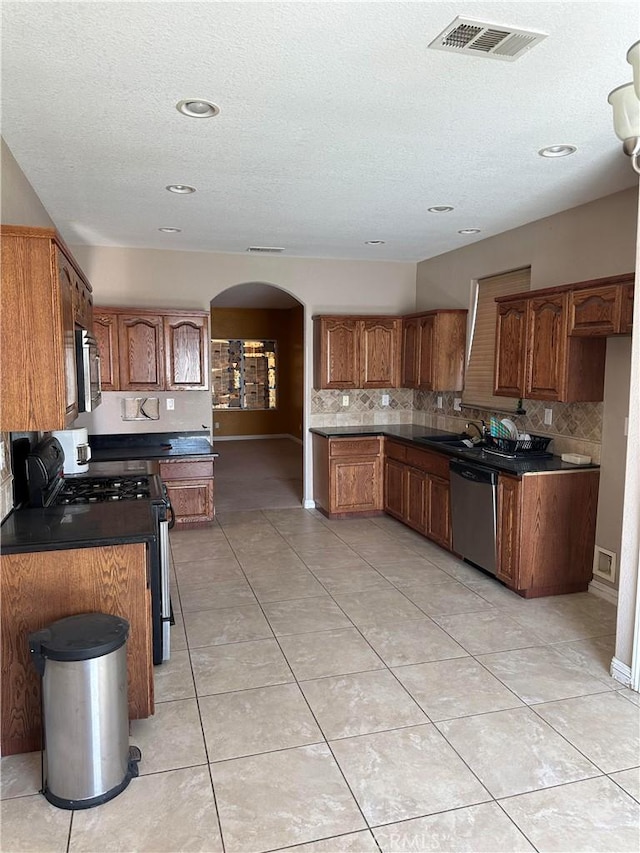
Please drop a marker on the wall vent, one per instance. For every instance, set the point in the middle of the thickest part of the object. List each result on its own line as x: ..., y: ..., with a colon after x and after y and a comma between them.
x: 266, y: 250
x: 466, y: 35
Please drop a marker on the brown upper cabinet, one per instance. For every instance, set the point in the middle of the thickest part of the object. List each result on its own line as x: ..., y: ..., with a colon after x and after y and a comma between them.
x: 356, y: 352
x: 601, y: 311
x: 42, y: 302
x: 433, y: 350
x: 551, y: 343
x: 152, y: 351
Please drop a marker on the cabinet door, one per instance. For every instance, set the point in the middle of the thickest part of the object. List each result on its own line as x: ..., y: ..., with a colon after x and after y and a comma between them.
x: 510, y: 349
x: 417, y: 499
x: 426, y: 353
x: 336, y: 352
x: 66, y: 278
x: 192, y: 501
x: 626, y: 309
x: 380, y: 353
x: 105, y: 329
x: 410, y: 352
x: 595, y: 311
x: 394, y: 488
x: 439, y: 512
x: 546, y: 347
x: 186, y: 352
x: 508, y: 530
x: 355, y: 485
x: 141, y: 346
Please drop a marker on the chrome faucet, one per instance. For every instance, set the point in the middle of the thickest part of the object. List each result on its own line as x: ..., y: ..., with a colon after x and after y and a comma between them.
x: 481, y: 432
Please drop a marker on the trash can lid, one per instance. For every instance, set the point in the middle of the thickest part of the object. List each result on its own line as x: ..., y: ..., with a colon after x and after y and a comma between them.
x: 81, y: 637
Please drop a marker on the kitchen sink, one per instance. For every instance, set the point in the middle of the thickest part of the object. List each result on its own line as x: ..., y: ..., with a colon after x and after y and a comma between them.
x: 446, y: 437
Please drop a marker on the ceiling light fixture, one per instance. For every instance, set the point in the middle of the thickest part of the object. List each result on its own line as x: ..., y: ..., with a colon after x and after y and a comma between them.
x: 170, y: 230
x: 197, y: 108
x: 374, y: 242
x: 625, y: 101
x: 181, y: 189
x: 557, y: 151
x: 440, y: 208
x: 466, y: 231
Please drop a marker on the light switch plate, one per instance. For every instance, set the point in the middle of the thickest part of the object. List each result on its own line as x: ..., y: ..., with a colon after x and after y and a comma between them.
x: 439, y: 403
x: 385, y: 399
x: 548, y: 417
x: 345, y: 399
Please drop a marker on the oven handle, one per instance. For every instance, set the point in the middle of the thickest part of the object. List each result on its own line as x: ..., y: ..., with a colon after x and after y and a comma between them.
x: 172, y: 515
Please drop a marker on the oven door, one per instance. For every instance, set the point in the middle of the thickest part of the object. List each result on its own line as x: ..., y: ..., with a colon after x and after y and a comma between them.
x: 166, y: 567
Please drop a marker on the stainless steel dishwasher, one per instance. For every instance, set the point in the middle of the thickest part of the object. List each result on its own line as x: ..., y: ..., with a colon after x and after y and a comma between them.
x: 474, y: 492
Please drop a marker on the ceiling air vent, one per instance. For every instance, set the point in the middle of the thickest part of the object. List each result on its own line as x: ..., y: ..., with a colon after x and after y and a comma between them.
x: 266, y: 250
x: 465, y: 35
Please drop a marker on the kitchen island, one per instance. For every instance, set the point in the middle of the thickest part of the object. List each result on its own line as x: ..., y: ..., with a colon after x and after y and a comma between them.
x: 61, y: 560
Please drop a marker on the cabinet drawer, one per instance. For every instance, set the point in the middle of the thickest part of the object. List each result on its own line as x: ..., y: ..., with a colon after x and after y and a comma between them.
x: 354, y: 447
x: 200, y: 470
x: 393, y: 450
x: 432, y: 463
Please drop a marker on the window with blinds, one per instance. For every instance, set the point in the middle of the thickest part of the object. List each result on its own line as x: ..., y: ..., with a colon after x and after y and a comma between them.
x: 479, y: 376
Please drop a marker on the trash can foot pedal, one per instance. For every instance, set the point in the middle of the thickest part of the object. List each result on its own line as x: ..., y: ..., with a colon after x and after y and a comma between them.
x: 135, y: 755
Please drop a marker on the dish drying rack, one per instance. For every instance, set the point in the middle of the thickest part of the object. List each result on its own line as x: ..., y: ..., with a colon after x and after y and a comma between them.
x: 532, y: 444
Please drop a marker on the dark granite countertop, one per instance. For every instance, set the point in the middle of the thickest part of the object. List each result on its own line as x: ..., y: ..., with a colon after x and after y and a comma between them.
x: 58, y: 528
x: 419, y: 437
x: 151, y: 445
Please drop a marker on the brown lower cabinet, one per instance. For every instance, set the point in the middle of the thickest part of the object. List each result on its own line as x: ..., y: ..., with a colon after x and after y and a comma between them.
x: 190, y: 488
x: 40, y: 587
x: 416, y: 490
x: 546, y: 531
x: 347, y: 475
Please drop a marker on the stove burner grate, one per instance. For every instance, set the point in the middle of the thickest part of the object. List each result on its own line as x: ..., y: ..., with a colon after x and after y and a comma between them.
x: 102, y: 489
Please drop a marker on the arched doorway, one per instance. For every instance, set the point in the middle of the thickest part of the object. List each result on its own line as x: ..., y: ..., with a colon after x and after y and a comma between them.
x: 257, y: 364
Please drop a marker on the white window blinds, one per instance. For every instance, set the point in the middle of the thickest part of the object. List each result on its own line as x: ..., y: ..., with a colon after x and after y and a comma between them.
x: 479, y: 376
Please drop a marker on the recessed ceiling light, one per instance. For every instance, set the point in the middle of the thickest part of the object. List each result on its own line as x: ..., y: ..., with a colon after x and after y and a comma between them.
x: 197, y: 108
x: 374, y: 242
x: 170, y: 230
x: 440, y: 208
x: 181, y: 189
x: 557, y: 151
x: 469, y: 231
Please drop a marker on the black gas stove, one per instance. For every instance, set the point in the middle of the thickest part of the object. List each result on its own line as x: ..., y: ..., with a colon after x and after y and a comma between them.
x: 89, y: 490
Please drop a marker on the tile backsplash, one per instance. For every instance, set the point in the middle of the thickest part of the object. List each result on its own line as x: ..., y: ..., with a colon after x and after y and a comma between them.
x: 576, y: 427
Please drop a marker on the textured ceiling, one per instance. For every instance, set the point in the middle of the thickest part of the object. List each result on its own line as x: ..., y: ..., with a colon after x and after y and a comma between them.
x: 337, y: 125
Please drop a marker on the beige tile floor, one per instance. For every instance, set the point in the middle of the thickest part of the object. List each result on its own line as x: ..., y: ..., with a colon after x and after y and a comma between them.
x: 348, y: 686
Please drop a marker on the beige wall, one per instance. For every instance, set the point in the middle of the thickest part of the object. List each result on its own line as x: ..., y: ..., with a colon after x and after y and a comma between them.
x: 19, y: 204
x: 593, y: 240
x: 285, y: 326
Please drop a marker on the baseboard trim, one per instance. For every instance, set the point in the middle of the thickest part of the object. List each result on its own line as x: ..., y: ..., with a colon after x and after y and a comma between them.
x: 255, y: 437
x: 309, y: 504
x: 604, y: 591
x: 621, y: 672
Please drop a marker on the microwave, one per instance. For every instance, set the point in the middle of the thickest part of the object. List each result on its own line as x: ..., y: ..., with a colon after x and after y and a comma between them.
x: 88, y: 369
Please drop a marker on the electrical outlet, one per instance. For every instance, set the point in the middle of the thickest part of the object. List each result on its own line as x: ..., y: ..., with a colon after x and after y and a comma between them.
x: 457, y: 404
x: 548, y: 417
x: 171, y: 404
x: 440, y: 403
x: 345, y: 399
x: 216, y: 425
x: 385, y: 399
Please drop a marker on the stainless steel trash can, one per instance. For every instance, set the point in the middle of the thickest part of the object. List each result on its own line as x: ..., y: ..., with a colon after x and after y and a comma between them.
x: 83, y: 663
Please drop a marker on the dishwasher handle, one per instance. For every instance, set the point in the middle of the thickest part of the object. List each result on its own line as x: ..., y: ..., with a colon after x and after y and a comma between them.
x: 472, y: 472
